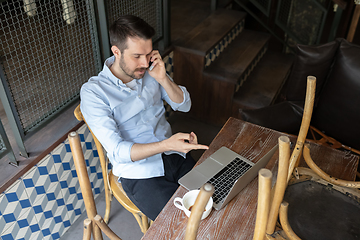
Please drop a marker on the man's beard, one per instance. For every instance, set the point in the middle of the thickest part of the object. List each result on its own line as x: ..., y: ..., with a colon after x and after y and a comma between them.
x: 130, y: 73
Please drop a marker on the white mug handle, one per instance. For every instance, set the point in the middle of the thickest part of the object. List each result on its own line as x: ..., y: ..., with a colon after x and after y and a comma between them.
x: 178, y: 203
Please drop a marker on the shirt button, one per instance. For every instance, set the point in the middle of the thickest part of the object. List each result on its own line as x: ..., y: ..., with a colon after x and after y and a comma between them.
x: 139, y: 96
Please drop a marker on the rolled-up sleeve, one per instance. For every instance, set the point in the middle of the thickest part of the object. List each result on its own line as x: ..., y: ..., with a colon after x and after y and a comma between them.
x: 98, y: 116
x: 184, y: 106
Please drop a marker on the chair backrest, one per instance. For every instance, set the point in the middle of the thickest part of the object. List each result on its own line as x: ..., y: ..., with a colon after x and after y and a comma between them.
x: 97, y: 223
x: 267, y: 215
x: 84, y: 181
x: 103, y: 162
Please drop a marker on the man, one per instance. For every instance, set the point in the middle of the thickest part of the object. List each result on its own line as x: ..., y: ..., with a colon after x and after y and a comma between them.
x: 123, y: 106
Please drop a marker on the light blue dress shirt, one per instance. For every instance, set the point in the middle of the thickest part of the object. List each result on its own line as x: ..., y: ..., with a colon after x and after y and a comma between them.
x: 120, y: 117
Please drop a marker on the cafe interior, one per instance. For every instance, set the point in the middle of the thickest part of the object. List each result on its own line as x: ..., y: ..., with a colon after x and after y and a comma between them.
x: 262, y: 75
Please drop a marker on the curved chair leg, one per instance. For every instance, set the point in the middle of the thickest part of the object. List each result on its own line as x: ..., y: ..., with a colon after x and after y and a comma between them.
x: 325, y: 176
x: 142, y: 220
x: 305, y: 124
x: 145, y: 222
x: 103, y: 163
x: 108, y: 199
x: 285, y: 222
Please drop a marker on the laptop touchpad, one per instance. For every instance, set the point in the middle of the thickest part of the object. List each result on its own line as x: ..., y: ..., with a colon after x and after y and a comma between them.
x: 209, y: 167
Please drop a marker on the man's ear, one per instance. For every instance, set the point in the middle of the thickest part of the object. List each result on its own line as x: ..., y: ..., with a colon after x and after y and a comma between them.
x: 116, y: 51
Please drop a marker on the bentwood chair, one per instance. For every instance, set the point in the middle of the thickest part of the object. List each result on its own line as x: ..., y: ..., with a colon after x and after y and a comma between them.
x: 94, y: 224
x: 267, y: 215
x: 323, y: 207
x: 338, y: 199
x: 112, y: 186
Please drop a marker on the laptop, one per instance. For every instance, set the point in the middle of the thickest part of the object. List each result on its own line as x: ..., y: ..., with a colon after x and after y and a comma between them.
x: 227, y: 171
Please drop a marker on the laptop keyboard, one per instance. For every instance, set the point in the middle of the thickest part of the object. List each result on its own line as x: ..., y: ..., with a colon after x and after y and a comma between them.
x: 225, y: 179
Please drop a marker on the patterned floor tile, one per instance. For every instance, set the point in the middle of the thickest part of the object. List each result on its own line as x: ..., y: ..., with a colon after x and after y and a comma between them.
x: 75, y: 207
x: 14, y: 203
x: 35, y: 186
x: 62, y: 164
x: 65, y: 224
x: 40, y: 179
x: 25, y: 227
x: 53, y: 226
x: 47, y: 199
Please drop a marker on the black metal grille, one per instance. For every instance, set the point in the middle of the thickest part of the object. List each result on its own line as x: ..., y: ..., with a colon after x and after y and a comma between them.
x: 149, y: 10
x: 302, y: 19
x: 48, y: 49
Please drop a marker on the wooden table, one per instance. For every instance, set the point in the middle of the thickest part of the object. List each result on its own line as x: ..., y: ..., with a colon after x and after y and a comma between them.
x: 237, y: 219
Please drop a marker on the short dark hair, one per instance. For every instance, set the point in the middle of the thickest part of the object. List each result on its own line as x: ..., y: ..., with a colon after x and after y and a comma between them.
x: 129, y: 26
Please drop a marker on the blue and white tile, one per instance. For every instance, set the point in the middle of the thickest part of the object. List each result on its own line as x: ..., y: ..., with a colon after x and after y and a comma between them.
x: 53, y: 226
x: 47, y: 228
x: 83, y: 132
x: 69, y: 185
x: 75, y: 206
x: 2, y: 220
x: 63, y: 226
x: 25, y: 227
x: 62, y: 161
x: 215, y: 52
x: 70, y: 188
x: 14, y: 203
x: 169, y: 64
x: 39, y: 209
x: 93, y: 164
x: 35, y: 184
x: 40, y: 179
x: 47, y: 206
x: 36, y: 235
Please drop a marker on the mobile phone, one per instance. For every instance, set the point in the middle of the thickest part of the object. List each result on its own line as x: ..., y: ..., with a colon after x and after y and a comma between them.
x: 151, y: 66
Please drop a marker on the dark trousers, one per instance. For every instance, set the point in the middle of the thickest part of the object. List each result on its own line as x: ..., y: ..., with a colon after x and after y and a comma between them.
x: 151, y: 195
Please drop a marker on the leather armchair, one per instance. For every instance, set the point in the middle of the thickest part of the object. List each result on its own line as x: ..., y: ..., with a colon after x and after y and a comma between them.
x: 336, y: 66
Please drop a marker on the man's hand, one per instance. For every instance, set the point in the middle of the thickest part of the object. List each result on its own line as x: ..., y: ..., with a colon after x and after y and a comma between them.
x: 157, y: 67
x: 159, y: 73
x: 183, y: 142
x: 180, y: 142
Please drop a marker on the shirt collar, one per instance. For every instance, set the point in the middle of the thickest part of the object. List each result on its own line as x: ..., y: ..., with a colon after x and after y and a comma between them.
x: 106, y: 70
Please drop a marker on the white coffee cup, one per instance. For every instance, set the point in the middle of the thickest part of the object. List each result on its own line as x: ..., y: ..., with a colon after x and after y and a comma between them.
x: 188, y: 201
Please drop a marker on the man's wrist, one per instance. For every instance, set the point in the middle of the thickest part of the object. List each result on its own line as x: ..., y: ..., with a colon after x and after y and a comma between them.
x: 163, y: 80
x: 164, y: 146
